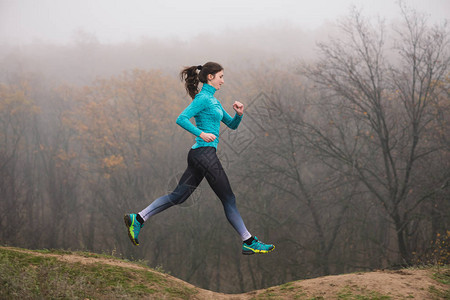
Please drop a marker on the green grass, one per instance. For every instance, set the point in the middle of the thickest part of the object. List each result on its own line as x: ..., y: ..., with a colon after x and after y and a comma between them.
x: 79, y: 253
x: 53, y: 251
x: 27, y: 276
x: 355, y: 293
x: 287, y: 286
x: 438, y: 293
x: 442, y: 276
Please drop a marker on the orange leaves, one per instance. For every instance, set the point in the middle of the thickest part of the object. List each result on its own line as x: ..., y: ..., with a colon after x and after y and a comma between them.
x: 17, y: 110
x: 438, y: 253
x: 14, y: 101
x: 122, y: 120
x: 112, y: 163
x: 63, y: 158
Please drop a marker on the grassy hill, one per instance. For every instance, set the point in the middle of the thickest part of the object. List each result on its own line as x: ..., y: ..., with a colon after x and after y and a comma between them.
x: 56, y: 274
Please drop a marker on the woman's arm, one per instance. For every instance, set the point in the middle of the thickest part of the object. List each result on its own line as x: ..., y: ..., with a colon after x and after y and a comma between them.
x: 233, y: 123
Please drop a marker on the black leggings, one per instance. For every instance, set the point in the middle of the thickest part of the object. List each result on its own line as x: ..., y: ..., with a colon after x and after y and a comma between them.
x: 202, y: 162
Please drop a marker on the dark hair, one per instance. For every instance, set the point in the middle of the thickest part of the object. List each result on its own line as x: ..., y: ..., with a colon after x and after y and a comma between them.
x: 192, y: 78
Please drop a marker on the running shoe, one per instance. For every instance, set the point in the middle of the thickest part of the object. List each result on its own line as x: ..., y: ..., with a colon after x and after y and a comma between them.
x: 134, y: 227
x: 256, y: 247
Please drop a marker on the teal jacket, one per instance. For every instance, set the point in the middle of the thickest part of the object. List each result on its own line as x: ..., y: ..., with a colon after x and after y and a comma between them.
x: 208, y: 113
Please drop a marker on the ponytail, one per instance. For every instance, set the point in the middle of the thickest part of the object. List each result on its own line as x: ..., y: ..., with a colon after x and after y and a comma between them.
x: 192, y: 78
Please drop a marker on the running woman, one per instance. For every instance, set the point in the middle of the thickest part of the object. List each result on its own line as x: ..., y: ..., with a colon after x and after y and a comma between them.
x: 202, y: 158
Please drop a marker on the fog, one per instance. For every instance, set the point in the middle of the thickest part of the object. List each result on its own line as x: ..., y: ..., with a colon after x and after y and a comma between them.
x: 80, y: 40
x: 341, y: 159
x: 86, y: 58
x: 25, y: 21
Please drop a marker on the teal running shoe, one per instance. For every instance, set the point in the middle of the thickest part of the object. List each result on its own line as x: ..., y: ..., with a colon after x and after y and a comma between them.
x: 256, y: 247
x: 134, y: 227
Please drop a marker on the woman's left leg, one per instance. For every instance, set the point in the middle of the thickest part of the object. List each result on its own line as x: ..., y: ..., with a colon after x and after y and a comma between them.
x: 218, y: 180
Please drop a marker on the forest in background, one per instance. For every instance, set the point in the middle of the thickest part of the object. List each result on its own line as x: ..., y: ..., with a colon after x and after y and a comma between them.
x: 342, y: 159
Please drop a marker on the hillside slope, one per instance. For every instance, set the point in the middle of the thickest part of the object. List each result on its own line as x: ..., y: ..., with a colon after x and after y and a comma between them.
x: 63, y: 274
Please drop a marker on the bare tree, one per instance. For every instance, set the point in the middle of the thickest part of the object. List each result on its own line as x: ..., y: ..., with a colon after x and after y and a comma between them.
x: 378, y: 111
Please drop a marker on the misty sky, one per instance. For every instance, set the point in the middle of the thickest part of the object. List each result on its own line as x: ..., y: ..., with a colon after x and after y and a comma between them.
x: 112, y: 21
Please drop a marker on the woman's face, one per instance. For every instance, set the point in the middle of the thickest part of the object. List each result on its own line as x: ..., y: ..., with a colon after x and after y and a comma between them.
x: 216, y: 80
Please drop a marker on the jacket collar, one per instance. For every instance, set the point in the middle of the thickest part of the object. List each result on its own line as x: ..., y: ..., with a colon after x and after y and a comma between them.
x: 209, y: 89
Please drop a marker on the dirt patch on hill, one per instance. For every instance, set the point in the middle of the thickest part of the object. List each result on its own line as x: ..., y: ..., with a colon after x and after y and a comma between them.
x: 401, y: 284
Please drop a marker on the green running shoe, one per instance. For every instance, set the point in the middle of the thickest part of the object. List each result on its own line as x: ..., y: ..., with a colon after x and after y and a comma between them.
x: 134, y: 227
x: 256, y: 247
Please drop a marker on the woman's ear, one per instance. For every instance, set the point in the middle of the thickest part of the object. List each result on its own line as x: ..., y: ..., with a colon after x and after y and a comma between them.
x: 210, y: 77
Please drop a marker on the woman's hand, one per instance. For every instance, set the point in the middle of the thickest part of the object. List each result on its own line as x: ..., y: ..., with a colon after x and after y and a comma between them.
x: 238, y: 107
x: 207, y: 137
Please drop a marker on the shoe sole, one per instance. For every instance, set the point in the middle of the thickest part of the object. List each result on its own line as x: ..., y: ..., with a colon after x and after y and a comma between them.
x: 251, y: 252
x: 127, y: 220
